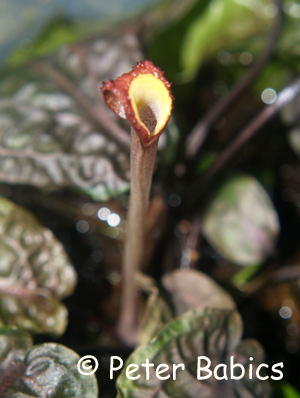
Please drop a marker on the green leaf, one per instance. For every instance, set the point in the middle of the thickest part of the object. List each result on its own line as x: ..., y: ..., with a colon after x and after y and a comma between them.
x: 241, y: 222
x: 165, y: 50
x: 45, y: 370
x: 223, y: 27
x: 208, y: 27
x: 206, y: 162
x: 222, y: 23
x: 243, y: 275
x: 211, y: 332
x: 21, y: 23
x: 57, y: 33
x: 288, y: 41
x: 192, y: 289
x: 35, y: 273
x: 274, y: 75
x: 287, y: 391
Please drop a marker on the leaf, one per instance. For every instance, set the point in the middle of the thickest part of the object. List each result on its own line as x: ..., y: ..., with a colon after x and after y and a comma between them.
x: 22, y: 22
x: 53, y: 130
x: 288, y: 42
x: 164, y: 54
x: 223, y: 22
x: 187, y: 290
x: 35, y: 273
x: 241, y: 222
x: 209, y: 27
x: 246, y: 349
x: 192, y: 290
x: 45, y: 370
x: 156, y: 312
x: 206, y: 162
x: 242, y: 276
x: 285, y: 390
x: 54, y: 35
x: 210, y: 332
x: 275, y: 75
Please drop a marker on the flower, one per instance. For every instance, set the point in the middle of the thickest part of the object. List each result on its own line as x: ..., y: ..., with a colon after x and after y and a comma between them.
x: 142, y: 96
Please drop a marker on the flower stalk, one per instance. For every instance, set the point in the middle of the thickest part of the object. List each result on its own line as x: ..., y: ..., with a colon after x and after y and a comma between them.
x: 143, y: 97
x: 142, y: 164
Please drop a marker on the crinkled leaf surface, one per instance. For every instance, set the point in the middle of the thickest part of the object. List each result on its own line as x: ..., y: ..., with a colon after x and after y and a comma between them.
x: 241, y: 222
x: 45, y: 370
x: 35, y: 273
x: 192, y: 289
x: 188, y: 290
x: 211, y: 332
x: 48, y: 138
